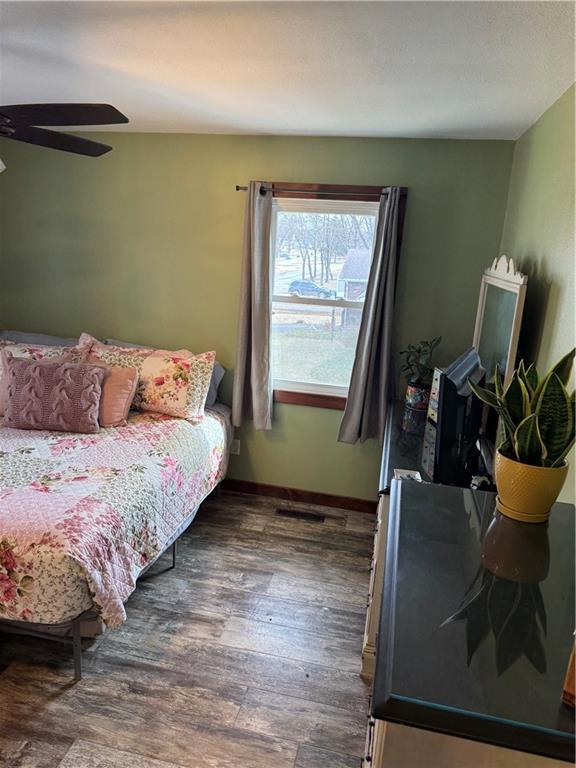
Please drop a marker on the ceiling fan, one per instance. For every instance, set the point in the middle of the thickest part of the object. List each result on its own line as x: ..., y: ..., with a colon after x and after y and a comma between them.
x: 20, y: 122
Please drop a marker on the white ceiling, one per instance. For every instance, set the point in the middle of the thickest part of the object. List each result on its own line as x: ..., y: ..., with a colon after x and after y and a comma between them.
x: 415, y: 69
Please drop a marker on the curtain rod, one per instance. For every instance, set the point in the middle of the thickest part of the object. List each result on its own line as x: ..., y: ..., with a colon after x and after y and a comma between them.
x: 314, y: 192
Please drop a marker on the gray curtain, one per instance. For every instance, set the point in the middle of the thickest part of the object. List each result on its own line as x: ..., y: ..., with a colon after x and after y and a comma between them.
x: 369, y: 393
x: 252, y: 396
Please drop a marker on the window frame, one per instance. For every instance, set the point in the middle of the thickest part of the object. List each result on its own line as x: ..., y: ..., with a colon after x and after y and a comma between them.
x: 285, y: 198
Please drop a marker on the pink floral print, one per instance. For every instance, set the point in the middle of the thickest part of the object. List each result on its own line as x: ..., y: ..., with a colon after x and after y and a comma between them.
x: 176, y: 383
x: 15, y: 578
x: 97, y: 510
x: 62, y: 444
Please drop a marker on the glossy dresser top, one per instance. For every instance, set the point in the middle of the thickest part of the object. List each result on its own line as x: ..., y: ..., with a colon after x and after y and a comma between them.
x: 477, y: 620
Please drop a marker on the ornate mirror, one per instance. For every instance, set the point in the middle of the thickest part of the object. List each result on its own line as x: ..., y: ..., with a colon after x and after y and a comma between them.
x: 499, y: 316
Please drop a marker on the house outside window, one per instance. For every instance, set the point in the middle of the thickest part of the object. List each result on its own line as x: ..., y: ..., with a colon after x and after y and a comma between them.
x: 321, y: 251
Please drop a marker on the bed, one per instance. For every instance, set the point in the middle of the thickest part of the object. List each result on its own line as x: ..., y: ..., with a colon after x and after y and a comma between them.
x: 82, y: 517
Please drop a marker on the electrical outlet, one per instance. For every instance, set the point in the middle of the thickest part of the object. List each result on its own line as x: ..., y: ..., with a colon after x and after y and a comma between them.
x: 235, y: 447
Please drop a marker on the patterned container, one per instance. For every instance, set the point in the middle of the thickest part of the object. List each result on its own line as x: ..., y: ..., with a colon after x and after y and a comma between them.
x: 414, y: 421
x: 525, y: 492
x: 417, y: 397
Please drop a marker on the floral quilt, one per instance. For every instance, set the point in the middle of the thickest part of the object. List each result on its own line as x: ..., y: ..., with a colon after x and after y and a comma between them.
x: 82, y: 515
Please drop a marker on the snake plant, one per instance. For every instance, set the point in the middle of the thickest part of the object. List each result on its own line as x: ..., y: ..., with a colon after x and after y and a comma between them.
x: 536, y: 414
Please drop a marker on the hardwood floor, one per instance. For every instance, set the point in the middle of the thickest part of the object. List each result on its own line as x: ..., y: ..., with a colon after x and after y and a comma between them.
x: 247, y: 655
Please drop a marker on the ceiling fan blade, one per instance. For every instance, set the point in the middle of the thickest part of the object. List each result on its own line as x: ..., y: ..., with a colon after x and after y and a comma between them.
x: 55, y: 140
x: 63, y: 114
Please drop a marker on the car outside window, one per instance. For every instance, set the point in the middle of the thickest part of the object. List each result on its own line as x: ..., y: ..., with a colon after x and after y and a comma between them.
x: 321, y: 253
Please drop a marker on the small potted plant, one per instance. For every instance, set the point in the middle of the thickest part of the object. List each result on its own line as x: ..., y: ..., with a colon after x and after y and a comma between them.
x: 418, y: 370
x: 537, y: 428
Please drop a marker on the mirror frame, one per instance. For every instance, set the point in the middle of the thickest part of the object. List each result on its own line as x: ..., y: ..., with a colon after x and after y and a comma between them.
x: 503, y: 274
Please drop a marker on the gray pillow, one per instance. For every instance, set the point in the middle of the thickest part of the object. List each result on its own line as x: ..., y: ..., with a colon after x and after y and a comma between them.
x: 118, y: 343
x: 217, y: 376
x: 23, y: 337
x: 217, y: 373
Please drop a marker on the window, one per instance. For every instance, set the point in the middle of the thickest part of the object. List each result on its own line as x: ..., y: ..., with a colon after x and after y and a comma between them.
x: 321, y: 251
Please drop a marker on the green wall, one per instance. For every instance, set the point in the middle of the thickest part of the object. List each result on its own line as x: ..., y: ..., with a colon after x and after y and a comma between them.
x: 145, y: 244
x: 539, y: 234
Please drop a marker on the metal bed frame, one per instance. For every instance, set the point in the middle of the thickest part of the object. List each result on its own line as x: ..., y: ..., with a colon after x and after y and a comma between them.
x: 69, y: 632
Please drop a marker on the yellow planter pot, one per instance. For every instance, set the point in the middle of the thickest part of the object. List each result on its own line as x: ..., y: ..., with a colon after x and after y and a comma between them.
x: 525, y: 492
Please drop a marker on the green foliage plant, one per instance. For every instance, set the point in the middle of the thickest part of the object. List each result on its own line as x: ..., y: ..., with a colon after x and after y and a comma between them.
x: 417, y: 365
x: 536, y: 414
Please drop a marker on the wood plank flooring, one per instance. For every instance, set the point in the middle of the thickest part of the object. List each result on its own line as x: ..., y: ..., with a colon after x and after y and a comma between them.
x: 247, y: 655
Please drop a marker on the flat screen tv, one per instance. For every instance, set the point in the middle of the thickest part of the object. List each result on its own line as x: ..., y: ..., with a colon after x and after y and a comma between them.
x: 453, y: 422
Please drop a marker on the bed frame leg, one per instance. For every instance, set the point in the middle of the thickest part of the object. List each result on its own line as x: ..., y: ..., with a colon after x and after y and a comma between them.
x: 173, y: 555
x: 77, y: 647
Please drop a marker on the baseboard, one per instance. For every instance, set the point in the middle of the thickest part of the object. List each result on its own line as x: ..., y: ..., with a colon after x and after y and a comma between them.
x: 297, y: 495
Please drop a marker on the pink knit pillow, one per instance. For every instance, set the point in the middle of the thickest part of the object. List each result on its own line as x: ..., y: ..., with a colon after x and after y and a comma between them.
x: 53, y: 395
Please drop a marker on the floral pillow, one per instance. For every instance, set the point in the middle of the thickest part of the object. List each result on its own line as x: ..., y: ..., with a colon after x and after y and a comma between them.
x: 176, y: 383
x: 42, y: 351
x: 119, y: 354
x: 36, y: 352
